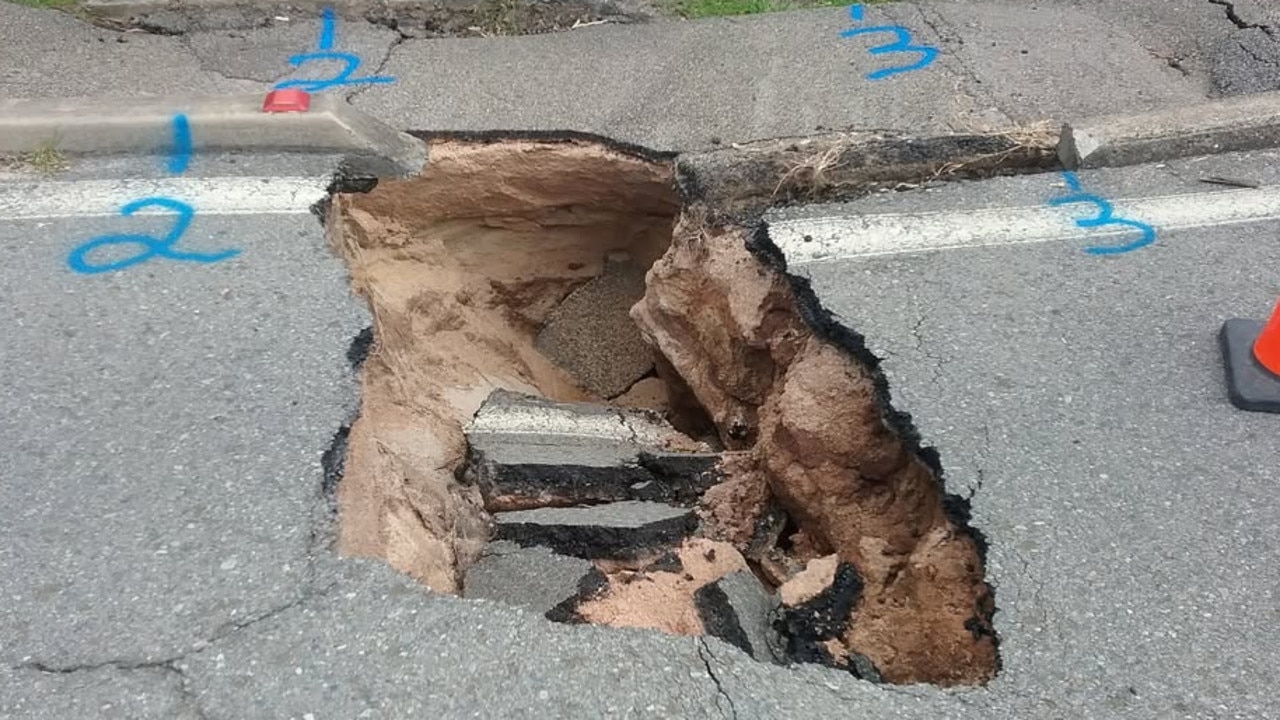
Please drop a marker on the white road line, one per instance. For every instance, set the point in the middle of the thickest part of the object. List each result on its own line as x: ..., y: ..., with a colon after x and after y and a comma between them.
x: 851, y: 236
x: 208, y: 196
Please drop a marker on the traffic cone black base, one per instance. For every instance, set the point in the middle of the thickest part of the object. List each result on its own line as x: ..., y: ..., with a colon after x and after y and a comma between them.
x: 1249, y: 385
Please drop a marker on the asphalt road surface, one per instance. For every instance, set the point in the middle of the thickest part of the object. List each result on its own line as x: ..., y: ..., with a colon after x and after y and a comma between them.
x: 162, y: 499
x: 168, y: 528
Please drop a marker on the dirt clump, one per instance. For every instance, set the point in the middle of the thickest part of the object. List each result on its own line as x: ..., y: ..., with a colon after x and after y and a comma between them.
x: 817, y: 576
x: 647, y: 394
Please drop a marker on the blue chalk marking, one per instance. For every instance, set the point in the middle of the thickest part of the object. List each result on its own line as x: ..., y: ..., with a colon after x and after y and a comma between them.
x: 1106, y: 216
x: 181, y: 156
x: 342, y: 78
x: 902, y: 44
x: 327, y: 28
x: 1072, y: 180
x: 78, y: 260
x: 328, y: 33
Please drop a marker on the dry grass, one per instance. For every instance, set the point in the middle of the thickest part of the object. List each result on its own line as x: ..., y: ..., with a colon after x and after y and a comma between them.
x: 826, y: 169
x: 811, y: 175
x: 46, y: 159
x: 1024, y: 138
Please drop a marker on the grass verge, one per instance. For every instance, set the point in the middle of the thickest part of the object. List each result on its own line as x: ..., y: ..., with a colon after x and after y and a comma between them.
x: 720, y: 8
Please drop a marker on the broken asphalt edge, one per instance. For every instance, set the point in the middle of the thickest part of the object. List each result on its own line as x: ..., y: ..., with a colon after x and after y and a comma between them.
x: 104, y: 126
x: 1234, y: 124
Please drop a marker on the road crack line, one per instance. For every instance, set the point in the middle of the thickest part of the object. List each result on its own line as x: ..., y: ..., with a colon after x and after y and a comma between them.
x: 382, y: 64
x: 937, y: 360
x: 705, y: 654
x: 1238, y: 21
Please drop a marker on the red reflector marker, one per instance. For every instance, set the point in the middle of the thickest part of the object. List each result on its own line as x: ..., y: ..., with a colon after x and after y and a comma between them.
x: 289, y: 100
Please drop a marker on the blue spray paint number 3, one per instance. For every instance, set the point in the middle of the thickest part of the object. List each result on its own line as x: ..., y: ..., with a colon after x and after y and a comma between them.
x: 152, y: 247
x: 902, y: 44
x: 1106, y: 216
x: 325, y: 52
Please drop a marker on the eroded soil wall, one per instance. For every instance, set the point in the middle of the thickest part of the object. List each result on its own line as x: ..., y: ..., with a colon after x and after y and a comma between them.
x: 820, y: 439
x: 461, y: 267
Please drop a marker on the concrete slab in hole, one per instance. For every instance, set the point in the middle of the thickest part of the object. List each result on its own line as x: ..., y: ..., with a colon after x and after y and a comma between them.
x: 531, y: 577
x: 590, y: 333
x: 614, y: 530
x: 530, y: 452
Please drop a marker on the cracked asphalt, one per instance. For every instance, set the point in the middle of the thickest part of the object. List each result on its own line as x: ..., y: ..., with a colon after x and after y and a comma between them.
x: 162, y: 497
x: 1080, y: 401
x: 669, y: 86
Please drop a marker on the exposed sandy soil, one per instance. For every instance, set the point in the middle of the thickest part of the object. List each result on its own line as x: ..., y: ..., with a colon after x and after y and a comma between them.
x: 461, y: 267
x: 663, y: 600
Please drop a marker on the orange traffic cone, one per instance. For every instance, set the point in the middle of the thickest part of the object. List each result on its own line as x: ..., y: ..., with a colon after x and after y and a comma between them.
x: 1251, y: 355
x: 1266, y: 349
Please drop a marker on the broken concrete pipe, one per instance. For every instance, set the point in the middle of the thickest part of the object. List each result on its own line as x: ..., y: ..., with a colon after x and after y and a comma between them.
x: 585, y: 397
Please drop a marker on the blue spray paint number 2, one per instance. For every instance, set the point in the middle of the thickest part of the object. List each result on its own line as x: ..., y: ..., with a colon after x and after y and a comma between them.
x: 152, y: 247
x: 1106, y: 216
x: 325, y: 52
x: 903, y: 44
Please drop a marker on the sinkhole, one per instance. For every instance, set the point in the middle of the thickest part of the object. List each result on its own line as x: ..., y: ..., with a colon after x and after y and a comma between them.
x: 591, y: 391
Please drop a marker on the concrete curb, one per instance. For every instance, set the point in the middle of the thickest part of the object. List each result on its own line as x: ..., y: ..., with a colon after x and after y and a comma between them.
x: 1248, y: 122
x: 225, y: 123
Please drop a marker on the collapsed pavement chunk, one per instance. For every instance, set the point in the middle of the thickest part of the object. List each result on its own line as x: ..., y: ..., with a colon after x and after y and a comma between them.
x: 736, y: 609
x: 531, y: 577
x: 619, y: 530
x: 528, y: 452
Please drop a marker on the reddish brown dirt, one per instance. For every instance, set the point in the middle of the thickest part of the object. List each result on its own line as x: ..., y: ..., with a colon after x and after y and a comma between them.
x: 729, y: 510
x: 461, y: 267
x: 809, y: 415
x: 807, y: 584
x: 663, y: 600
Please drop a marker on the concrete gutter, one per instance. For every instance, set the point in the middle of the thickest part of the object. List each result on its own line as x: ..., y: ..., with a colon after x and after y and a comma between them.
x: 226, y: 123
x: 1247, y: 122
